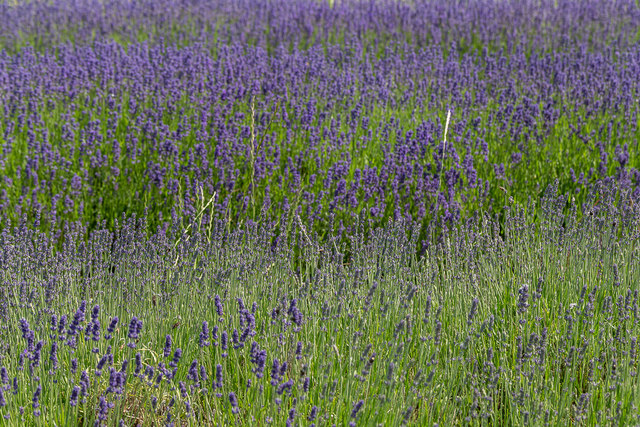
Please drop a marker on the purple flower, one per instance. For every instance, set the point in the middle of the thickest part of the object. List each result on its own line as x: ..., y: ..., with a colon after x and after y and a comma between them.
x: 4, y: 375
x: 176, y: 358
x: 223, y: 342
x: 138, y: 364
x: 103, y: 409
x: 218, y: 383
x: 138, y: 328
x: 275, y: 372
x: 135, y: 327
x: 36, y: 396
x: 204, y: 335
x: 472, y: 313
x: 53, y: 357
x: 234, y: 402
x: 183, y: 389
x: 259, y: 358
x: 516, y: 158
x: 523, y: 293
x: 218, y: 303
x: 62, y: 324
x: 95, y: 312
x: 103, y: 360
x: 73, y: 400
x: 111, y: 328
x: 193, y: 371
x: 36, y: 354
x: 24, y: 327
x: 285, y: 387
x: 95, y: 330
x: 292, y: 416
x: 292, y: 306
x: 84, y: 383
x: 245, y: 335
x: 299, y: 350
x: 313, y: 413
x: 167, y: 346
x: 78, y: 317
x: 356, y: 408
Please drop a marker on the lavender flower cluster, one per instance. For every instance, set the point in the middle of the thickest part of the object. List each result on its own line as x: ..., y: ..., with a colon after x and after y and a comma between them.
x: 91, y: 393
x: 328, y: 131
x: 538, y: 313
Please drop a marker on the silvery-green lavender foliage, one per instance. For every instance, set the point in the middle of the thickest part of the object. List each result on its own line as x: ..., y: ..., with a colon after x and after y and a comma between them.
x: 532, y: 322
x: 277, y: 108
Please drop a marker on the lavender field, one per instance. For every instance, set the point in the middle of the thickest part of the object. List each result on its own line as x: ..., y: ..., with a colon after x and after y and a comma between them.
x: 314, y: 213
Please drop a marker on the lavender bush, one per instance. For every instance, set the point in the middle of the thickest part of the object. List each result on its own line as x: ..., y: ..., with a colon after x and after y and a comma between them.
x: 328, y: 113
x: 531, y: 322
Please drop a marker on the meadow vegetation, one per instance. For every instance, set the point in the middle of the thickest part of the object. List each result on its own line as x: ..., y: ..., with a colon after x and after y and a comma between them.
x: 319, y: 213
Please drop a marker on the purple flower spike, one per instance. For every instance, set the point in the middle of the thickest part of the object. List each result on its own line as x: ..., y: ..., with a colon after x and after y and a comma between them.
x: 4, y: 375
x: 193, y: 371
x: 111, y: 328
x: 204, y: 335
x: 36, y: 397
x: 138, y: 364
x: 219, y: 309
x: 24, y: 328
x: 95, y: 312
x: 313, y: 413
x: 53, y: 357
x: 218, y: 376
x: 73, y: 400
x: 176, y: 357
x: 135, y: 327
x: 234, y: 402
x: 167, y: 346
x: 203, y: 373
x: 224, y: 340
x: 356, y: 408
x: 298, y: 350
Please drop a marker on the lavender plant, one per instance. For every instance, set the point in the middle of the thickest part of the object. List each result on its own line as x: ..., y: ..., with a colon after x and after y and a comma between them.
x: 527, y: 322
x: 319, y: 213
x: 222, y: 118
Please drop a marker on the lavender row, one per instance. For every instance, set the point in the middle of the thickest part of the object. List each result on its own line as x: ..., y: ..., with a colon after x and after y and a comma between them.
x: 467, y: 25
x: 326, y: 134
x: 517, y: 322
